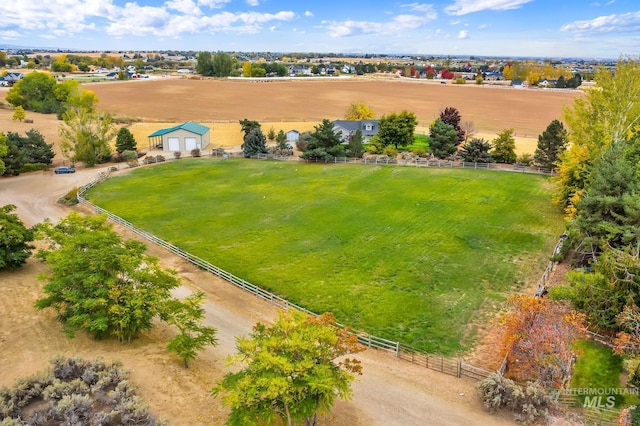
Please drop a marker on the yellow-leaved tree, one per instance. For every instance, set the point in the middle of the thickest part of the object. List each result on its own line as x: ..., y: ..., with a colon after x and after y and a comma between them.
x: 359, y: 111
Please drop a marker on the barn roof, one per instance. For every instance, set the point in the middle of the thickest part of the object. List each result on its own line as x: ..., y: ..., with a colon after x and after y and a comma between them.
x: 189, y: 126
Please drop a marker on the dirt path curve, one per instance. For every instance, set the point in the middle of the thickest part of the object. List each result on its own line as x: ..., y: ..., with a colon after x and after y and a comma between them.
x: 390, y: 392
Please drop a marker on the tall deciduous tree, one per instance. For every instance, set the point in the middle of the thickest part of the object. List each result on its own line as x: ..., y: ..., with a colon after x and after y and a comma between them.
x: 443, y: 139
x: 551, y: 144
x: 100, y: 283
x: 451, y: 116
x: 187, y: 316
x: 359, y: 111
x: 14, y: 239
x: 293, y: 371
x: 204, y: 64
x: 539, y: 336
x: 85, y: 136
x: 397, y: 129
x: 125, y: 140
x: 610, y: 113
x: 504, y: 147
x: 222, y: 64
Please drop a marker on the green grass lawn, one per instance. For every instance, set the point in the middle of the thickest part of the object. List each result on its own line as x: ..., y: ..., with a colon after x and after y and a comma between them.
x: 598, y: 368
x: 410, y: 254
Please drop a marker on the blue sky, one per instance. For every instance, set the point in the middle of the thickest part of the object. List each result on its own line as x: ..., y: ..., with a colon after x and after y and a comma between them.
x: 541, y: 28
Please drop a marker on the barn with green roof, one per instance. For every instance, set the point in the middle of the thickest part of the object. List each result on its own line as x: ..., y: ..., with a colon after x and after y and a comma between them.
x: 184, y: 137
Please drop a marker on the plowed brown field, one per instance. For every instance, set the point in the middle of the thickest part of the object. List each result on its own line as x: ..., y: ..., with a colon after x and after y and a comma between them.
x: 491, y: 109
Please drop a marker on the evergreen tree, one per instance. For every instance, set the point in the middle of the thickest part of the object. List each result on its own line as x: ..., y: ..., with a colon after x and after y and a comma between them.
x: 609, y: 213
x: 551, y: 144
x: 323, y: 143
x: 477, y: 151
x: 443, y: 139
x: 15, y: 158
x: 355, y: 149
x: 125, y: 141
x: 254, y: 143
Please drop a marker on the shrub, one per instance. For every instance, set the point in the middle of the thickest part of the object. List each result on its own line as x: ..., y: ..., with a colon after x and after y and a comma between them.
x: 525, y: 159
x: 33, y: 167
x: 150, y: 160
x: 160, y: 158
x: 460, y: 81
x: 70, y: 198
x: 419, y: 151
x: 177, y: 155
x: 390, y: 151
x: 529, y: 402
x: 195, y: 152
x: 129, y: 155
x: 73, y: 392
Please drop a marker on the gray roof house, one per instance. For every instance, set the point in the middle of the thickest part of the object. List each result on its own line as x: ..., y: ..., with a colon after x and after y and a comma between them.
x: 184, y: 137
x: 12, y: 77
x: 369, y: 128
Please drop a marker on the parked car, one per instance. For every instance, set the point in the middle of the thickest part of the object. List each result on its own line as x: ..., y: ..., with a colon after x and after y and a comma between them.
x: 62, y: 170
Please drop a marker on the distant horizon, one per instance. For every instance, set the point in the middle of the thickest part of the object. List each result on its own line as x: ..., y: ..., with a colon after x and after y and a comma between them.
x: 487, y: 28
x: 50, y: 49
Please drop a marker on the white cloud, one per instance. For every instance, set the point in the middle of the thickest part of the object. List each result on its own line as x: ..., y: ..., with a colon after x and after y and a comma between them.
x: 625, y: 22
x: 463, y: 7
x: 397, y: 24
x: 463, y: 34
x: 213, y: 4
x: 253, y: 2
x: 188, y: 7
x: 418, y: 7
x: 169, y: 19
x: 455, y: 22
x: 483, y: 26
x: 308, y: 14
x: 10, y: 34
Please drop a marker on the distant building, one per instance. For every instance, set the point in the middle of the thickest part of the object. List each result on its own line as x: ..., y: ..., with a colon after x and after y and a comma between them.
x: 369, y: 129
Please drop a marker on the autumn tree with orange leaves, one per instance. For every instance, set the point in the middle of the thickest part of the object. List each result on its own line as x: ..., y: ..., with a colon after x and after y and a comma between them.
x: 538, y: 338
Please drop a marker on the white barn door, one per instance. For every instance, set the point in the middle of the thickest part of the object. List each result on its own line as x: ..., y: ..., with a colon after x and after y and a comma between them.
x: 174, y: 144
x: 189, y: 144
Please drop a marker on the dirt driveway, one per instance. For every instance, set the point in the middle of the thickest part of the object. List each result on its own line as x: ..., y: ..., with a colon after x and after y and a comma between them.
x: 390, y: 392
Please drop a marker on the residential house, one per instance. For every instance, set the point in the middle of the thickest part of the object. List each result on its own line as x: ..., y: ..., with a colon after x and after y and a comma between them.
x: 369, y: 129
x: 184, y: 137
x: 12, y: 77
x: 299, y: 70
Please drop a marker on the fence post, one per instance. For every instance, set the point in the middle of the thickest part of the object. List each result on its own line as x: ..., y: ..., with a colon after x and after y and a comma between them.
x: 397, y: 349
x: 459, y: 372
